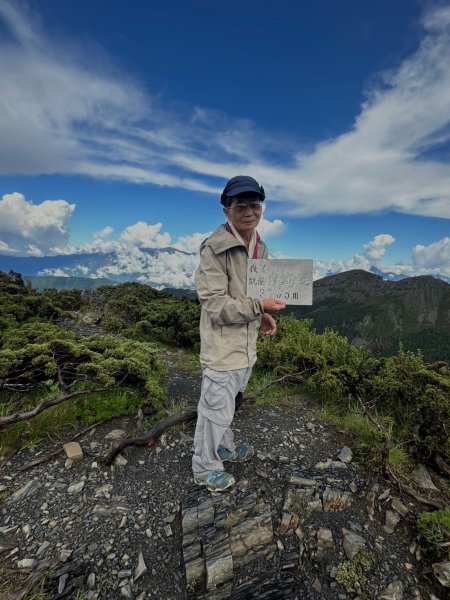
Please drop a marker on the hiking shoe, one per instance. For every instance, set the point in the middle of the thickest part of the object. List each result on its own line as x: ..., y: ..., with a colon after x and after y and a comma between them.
x: 241, y: 453
x: 217, y: 481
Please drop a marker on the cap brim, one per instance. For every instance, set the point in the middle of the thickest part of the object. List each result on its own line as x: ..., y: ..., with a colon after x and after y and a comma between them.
x: 244, y: 188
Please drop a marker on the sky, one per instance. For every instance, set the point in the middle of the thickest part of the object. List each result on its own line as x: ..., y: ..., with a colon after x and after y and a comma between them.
x: 120, y: 123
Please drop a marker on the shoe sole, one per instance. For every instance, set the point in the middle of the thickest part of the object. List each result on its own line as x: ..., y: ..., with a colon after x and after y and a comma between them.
x: 211, y: 488
x: 235, y: 460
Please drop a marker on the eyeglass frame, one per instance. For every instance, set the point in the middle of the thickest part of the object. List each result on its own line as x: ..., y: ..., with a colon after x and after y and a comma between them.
x: 255, y: 205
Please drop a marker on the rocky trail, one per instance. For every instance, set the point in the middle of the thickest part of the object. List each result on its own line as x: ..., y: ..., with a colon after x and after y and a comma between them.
x: 305, y: 520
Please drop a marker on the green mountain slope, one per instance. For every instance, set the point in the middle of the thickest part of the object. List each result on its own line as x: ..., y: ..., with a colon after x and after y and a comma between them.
x: 380, y: 314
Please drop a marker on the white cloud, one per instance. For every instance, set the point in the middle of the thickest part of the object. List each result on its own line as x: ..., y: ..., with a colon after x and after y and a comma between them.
x: 32, y: 229
x: 375, y: 250
x: 270, y: 228
x: 104, y: 233
x: 191, y: 243
x: 434, y: 258
x: 102, y: 124
x: 5, y: 248
x: 145, y: 235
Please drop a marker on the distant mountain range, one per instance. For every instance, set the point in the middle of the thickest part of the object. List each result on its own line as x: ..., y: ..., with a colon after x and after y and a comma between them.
x: 377, y: 310
x: 158, y: 267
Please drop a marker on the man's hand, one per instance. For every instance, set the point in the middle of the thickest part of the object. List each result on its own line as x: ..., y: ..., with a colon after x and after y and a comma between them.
x: 273, y: 305
x: 268, y: 325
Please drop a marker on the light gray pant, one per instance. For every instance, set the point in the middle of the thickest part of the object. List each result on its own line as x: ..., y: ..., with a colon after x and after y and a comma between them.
x: 214, y: 416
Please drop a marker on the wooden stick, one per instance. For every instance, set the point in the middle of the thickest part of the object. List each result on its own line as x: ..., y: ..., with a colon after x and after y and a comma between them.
x: 18, y: 417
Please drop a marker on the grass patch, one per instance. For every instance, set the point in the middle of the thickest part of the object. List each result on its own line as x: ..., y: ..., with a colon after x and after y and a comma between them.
x: 434, y: 527
x: 354, y: 571
x: 399, y: 460
x: 367, y: 439
x: 276, y: 394
x: 30, y: 433
x: 298, y: 504
x: 88, y: 409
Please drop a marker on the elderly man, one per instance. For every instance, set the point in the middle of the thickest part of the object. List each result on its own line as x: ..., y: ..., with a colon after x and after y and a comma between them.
x: 229, y: 326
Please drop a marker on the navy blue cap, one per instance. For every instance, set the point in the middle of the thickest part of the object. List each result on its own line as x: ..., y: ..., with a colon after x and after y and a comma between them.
x: 239, y: 185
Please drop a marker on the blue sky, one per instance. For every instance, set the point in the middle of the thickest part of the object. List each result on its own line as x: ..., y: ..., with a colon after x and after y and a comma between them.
x: 120, y: 122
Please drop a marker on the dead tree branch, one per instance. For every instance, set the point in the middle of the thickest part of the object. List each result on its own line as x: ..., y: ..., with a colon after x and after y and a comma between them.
x: 18, y: 417
x: 150, y: 438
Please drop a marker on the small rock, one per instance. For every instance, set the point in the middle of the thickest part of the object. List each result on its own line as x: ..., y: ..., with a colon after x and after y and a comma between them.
x: 442, y: 572
x: 42, y: 548
x: 120, y: 461
x: 65, y: 554
x: 73, y: 451
x: 141, y: 568
x: 68, y: 464
x: 394, y: 591
x: 392, y: 518
x: 352, y: 542
x: 27, y: 490
x: 26, y: 563
x: 317, y: 585
x: 91, y: 581
x: 126, y: 591
x: 75, y: 488
x: 26, y: 530
x: 345, y: 455
x: 115, y: 434
x: 399, y: 507
x: 422, y: 477
x: 62, y: 582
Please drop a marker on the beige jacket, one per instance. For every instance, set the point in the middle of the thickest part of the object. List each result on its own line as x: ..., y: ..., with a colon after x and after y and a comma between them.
x: 229, y: 321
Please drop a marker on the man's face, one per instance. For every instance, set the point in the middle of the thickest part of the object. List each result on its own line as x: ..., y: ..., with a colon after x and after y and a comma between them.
x: 245, y: 212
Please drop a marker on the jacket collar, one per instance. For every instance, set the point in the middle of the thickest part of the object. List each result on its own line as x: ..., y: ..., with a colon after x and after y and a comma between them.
x: 221, y: 240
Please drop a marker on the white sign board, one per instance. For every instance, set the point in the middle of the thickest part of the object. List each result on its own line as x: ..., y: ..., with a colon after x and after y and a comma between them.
x: 290, y: 280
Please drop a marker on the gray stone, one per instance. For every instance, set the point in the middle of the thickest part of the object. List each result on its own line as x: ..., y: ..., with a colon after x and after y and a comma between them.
x: 29, y: 489
x: 219, y: 570
x: 75, y: 488
x: 370, y: 500
x: 141, y: 568
x: 330, y: 464
x: 91, y: 581
x: 422, y: 477
x: 352, y: 543
x: 251, y: 533
x: 302, y: 481
x: 394, y: 591
x: 126, y: 591
x: 442, y: 572
x: 345, y: 455
x: 399, y: 507
x: 392, y: 518
x: 62, y: 582
x: 42, y: 548
x: 324, y: 542
x: 120, y: 461
x: 195, y: 570
x: 335, y: 500
x: 115, y: 434
x: 26, y: 563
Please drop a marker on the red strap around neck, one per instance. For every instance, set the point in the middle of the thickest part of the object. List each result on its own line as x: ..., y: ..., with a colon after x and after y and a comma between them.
x: 255, y: 251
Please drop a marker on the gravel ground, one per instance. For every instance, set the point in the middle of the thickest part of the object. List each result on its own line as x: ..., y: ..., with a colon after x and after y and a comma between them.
x: 94, y: 521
